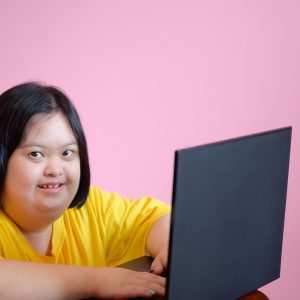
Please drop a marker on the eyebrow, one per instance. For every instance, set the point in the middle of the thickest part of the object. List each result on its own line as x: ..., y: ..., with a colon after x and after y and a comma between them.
x: 45, y: 147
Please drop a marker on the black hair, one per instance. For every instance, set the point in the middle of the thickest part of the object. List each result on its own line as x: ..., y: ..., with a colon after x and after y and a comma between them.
x: 18, y: 105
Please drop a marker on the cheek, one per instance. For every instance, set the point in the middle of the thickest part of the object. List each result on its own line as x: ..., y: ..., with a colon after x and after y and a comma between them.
x: 22, y: 175
x: 19, y: 184
x: 74, y: 172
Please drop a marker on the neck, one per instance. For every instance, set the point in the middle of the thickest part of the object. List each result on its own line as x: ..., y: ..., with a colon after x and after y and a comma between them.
x: 38, y: 236
x: 40, y: 239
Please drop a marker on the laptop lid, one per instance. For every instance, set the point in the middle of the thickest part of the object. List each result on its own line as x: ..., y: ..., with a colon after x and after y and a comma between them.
x: 228, y: 216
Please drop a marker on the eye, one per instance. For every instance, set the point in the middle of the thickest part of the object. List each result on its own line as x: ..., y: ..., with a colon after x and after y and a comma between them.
x: 68, y: 153
x: 35, y: 155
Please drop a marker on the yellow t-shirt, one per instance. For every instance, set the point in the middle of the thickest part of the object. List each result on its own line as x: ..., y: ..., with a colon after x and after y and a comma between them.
x: 107, y: 231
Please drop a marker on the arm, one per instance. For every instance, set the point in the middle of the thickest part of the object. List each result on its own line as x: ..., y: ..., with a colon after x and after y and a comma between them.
x: 158, y: 243
x: 35, y: 281
x: 39, y: 281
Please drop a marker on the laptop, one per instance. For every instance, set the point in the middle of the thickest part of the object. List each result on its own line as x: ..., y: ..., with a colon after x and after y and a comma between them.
x: 228, y: 217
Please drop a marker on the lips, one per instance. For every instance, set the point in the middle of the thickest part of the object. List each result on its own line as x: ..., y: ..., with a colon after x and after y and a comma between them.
x: 50, y: 186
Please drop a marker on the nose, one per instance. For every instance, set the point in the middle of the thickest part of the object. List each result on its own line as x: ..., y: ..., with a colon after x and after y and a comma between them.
x: 53, y: 167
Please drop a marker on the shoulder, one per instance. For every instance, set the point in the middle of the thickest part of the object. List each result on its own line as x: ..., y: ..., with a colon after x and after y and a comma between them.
x: 110, y: 203
x: 100, y: 201
x: 98, y: 197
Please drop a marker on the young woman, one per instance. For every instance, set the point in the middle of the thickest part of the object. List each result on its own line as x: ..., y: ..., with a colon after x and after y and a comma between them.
x: 59, y: 237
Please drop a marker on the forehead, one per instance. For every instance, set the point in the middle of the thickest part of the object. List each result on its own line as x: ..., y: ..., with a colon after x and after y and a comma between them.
x: 48, y: 126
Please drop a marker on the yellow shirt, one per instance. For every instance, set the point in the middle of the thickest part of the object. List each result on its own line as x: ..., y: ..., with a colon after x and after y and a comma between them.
x: 107, y: 231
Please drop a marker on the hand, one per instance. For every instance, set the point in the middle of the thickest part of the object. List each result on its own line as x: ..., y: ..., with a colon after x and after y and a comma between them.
x: 160, y: 262
x: 117, y: 283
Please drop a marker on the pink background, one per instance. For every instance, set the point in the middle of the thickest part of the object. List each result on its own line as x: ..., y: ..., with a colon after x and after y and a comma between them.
x: 149, y: 77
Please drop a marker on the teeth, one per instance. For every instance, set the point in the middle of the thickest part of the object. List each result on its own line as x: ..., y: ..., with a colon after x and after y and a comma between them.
x: 50, y: 186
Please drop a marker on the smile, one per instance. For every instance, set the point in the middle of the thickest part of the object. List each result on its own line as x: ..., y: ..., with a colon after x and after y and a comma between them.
x: 50, y: 186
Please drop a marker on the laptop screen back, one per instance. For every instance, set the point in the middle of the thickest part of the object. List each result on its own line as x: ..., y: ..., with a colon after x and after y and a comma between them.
x: 228, y: 216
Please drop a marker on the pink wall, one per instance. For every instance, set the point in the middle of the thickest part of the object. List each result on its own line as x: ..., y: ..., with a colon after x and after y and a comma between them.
x: 149, y: 77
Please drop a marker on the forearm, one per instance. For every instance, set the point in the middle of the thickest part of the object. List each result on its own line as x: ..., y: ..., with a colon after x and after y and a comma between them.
x: 158, y: 237
x: 25, y: 280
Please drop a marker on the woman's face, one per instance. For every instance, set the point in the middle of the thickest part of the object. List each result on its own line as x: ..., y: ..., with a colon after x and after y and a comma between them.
x: 43, y: 173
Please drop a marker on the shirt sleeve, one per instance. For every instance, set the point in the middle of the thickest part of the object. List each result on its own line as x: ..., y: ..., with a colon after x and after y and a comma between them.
x: 127, y: 223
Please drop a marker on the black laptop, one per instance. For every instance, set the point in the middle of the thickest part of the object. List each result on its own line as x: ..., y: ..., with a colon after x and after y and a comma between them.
x: 227, y: 217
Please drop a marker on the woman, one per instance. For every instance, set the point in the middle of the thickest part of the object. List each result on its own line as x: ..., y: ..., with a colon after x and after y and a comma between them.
x: 59, y: 237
